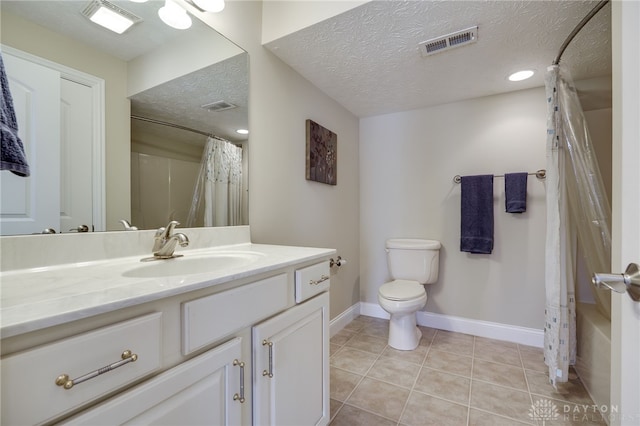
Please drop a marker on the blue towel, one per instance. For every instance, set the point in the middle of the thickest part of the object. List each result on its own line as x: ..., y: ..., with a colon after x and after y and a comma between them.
x: 515, y: 192
x: 476, y: 228
x: 12, y: 155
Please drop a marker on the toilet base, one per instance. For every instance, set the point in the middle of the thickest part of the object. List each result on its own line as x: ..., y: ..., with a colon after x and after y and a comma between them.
x: 404, y: 333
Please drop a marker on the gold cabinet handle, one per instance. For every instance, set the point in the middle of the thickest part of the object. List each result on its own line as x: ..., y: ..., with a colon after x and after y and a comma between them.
x: 323, y: 278
x: 64, y: 381
x: 269, y: 373
x: 240, y: 396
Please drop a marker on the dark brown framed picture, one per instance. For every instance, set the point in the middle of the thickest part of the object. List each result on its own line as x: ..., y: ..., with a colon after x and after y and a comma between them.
x: 322, y: 154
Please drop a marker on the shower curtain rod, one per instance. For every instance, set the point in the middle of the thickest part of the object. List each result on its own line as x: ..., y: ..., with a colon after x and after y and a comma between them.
x: 177, y: 126
x: 577, y: 29
x: 540, y: 174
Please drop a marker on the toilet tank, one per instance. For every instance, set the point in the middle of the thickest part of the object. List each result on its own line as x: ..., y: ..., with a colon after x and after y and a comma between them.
x: 413, y: 259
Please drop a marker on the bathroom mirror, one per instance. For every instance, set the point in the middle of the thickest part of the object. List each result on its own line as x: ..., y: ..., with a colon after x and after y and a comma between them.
x: 202, y: 88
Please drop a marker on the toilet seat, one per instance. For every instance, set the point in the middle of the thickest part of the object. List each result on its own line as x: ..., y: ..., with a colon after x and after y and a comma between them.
x: 400, y: 290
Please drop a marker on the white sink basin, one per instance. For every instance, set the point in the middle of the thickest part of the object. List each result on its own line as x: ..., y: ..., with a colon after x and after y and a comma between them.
x: 192, y: 264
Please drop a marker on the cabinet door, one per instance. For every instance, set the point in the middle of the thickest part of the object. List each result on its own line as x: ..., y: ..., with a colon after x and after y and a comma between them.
x: 291, y: 366
x: 198, y: 392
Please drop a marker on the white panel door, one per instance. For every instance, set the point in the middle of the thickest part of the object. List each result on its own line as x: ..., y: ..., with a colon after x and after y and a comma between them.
x: 29, y: 205
x: 76, y: 156
x: 291, y: 366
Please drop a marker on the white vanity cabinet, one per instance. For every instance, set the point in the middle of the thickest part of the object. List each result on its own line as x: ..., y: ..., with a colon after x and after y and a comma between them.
x: 200, y: 357
x: 291, y: 357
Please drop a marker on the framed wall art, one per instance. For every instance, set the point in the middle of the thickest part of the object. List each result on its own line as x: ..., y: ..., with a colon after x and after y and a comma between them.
x: 322, y: 154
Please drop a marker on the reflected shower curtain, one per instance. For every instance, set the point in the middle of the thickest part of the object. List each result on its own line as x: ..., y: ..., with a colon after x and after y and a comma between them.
x: 576, y: 206
x: 217, y: 197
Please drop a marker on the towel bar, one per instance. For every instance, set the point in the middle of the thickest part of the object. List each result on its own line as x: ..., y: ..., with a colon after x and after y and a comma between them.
x: 540, y: 174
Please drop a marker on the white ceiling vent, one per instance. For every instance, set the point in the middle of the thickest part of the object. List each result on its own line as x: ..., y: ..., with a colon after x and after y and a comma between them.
x: 449, y: 41
x: 218, y: 106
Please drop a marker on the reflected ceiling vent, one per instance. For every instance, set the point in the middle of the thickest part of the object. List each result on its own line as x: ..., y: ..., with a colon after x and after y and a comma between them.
x: 449, y: 41
x: 218, y: 106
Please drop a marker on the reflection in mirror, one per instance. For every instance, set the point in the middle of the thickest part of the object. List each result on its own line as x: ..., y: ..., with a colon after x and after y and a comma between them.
x: 153, y: 72
x: 171, y: 126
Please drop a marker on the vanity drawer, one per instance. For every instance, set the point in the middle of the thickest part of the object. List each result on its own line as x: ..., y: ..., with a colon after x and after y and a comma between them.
x: 210, y: 318
x: 30, y: 394
x: 312, y: 280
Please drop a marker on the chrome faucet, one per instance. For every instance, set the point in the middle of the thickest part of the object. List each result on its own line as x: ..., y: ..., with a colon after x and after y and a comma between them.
x: 165, y: 241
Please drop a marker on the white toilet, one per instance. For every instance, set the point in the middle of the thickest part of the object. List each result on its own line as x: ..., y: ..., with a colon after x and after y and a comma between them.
x: 412, y: 263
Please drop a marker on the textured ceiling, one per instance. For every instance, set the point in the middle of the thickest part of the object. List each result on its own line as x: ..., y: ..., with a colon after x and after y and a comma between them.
x: 183, y: 97
x: 368, y: 58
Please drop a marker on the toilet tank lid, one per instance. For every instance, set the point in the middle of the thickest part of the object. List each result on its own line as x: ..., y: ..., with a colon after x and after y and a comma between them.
x: 413, y: 244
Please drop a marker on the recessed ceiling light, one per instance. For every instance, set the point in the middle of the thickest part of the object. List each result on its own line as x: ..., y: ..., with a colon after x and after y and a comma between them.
x: 521, y: 75
x: 110, y: 16
x: 242, y: 131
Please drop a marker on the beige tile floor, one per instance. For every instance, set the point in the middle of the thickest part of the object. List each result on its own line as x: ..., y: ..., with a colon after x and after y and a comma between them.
x: 450, y: 379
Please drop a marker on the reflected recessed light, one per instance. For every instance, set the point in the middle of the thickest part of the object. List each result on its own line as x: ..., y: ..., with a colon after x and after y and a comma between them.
x: 242, y: 131
x: 521, y: 75
x: 110, y: 16
x: 174, y: 15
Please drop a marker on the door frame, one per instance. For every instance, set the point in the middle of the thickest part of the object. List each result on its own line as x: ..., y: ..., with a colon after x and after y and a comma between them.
x: 625, y: 318
x: 97, y: 86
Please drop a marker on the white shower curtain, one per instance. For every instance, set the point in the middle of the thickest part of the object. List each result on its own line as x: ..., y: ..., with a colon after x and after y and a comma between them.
x: 578, y: 212
x: 217, y: 197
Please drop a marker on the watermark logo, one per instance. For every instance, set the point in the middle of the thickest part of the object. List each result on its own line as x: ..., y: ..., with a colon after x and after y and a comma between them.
x: 544, y: 410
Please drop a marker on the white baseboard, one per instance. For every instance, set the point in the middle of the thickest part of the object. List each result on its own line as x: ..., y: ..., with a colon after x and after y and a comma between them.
x: 491, y: 330
x: 339, y: 322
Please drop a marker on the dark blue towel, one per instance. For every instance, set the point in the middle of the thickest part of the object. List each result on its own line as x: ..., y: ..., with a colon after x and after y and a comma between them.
x: 12, y: 155
x: 476, y: 227
x: 515, y: 192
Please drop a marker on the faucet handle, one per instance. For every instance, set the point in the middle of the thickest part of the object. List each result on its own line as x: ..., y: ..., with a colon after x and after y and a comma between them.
x: 172, y: 225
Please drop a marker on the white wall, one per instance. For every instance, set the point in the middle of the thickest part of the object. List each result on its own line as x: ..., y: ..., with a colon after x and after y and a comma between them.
x: 281, y: 18
x: 285, y: 208
x: 407, y: 163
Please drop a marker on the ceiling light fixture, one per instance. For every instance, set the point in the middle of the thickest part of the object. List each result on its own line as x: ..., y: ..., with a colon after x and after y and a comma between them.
x: 242, y: 131
x: 214, y: 6
x: 110, y: 16
x: 174, y: 15
x: 521, y: 75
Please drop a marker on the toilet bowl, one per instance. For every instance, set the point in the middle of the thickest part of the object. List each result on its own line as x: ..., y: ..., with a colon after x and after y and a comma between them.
x: 402, y: 299
x: 412, y: 263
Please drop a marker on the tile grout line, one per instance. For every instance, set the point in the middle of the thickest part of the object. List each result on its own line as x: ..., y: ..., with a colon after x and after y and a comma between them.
x: 473, y: 359
x: 415, y: 380
x: 526, y: 380
x: 355, y: 333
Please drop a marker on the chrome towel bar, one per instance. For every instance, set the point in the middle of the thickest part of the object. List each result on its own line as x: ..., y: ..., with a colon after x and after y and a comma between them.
x: 540, y: 174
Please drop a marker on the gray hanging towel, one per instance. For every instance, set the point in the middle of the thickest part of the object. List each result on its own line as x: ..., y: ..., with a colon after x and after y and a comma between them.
x: 12, y: 155
x: 515, y: 192
x: 476, y: 214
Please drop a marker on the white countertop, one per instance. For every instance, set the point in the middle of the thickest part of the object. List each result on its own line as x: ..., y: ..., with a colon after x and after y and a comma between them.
x: 36, y: 298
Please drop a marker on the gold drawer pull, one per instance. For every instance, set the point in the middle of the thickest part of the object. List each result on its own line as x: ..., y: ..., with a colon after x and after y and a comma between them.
x: 240, y: 396
x: 64, y: 381
x: 323, y: 278
x: 268, y: 373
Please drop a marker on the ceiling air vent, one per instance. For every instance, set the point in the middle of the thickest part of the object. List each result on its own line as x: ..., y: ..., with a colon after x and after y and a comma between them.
x: 449, y: 41
x: 218, y: 106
